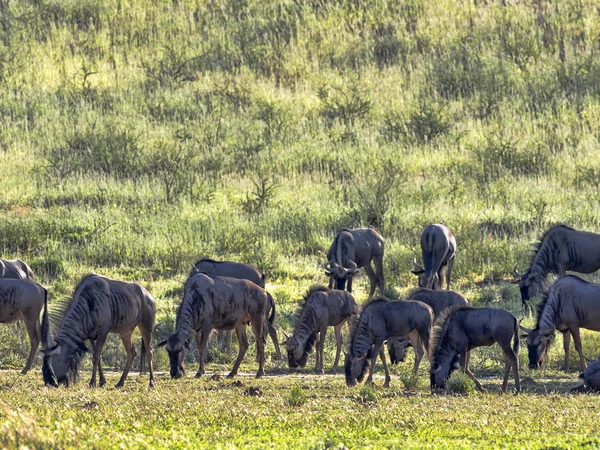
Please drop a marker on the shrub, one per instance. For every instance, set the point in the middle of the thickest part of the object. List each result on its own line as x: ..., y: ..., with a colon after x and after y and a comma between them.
x: 367, y: 394
x: 460, y: 383
x: 297, y: 396
x: 411, y: 380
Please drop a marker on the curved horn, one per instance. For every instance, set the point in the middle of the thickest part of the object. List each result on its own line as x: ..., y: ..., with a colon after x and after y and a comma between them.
x: 518, y: 274
x: 352, y: 267
x: 285, y: 334
x: 526, y: 330
x: 417, y: 267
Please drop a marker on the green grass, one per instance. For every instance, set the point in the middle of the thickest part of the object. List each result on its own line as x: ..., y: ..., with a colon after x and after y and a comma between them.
x: 139, y: 136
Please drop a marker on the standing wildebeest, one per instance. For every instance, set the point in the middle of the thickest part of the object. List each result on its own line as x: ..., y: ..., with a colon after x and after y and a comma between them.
x: 15, y: 269
x: 571, y: 304
x: 439, y: 247
x: 561, y: 248
x: 351, y: 250
x: 22, y: 299
x: 99, y: 306
x: 458, y: 330
x: 380, y: 320
x: 438, y: 301
x: 322, y: 308
x: 217, y: 303
x: 244, y: 272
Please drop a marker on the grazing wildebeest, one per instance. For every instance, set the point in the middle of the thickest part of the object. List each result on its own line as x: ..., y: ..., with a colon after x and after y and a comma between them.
x: 23, y: 299
x: 438, y: 301
x: 15, y: 269
x: 99, y: 306
x: 219, y: 303
x: 571, y: 304
x: 560, y: 249
x: 322, y: 308
x: 244, y: 272
x: 458, y: 330
x: 351, y: 250
x: 380, y: 320
x: 439, y: 247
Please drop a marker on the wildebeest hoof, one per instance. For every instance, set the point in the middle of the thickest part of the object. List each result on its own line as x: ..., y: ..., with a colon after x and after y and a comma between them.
x: 92, y: 384
x: 24, y: 371
x: 152, y: 384
x: 386, y: 384
x: 231, y: 375
x: 260, y: 374
x: 102, y: 382
x: 565, y: 368
x: 199, y: 375
x: 119, y: 385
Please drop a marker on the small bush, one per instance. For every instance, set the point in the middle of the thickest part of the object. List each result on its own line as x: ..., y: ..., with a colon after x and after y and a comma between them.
x: 297, y: 396
x: 367, y: 394
x: 411, y: 380
x: 459, y: 383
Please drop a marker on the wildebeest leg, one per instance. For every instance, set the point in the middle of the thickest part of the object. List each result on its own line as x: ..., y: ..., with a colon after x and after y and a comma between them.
x: 464, y: 363
x: 418, y: 347
x: 349, y: 285
x: 578, y: 347
x: 339, y: 340
x: 146, y: 340
x: 35, y: 332
x: 385, y: 367
x: 240, y: 331
x: 228, y: 337
x: 376, y: 350
x: 320, y: 345
x: 127, y: 339
x: 378, y: 261
x: 273, y: 334
x: 202, y: 337
x: 330, y: 282
x: 510, y: 360
x: 101, y: 372
x: 567, y: 347
x: 97, y: 345
x: 448, y: 273
x: 372, y: 279
x: 257, y: 329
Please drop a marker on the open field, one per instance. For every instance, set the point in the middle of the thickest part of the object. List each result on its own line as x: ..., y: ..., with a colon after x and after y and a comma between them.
x: 137, y: 136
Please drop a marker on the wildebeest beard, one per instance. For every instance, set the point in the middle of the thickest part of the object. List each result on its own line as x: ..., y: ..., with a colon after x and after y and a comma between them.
x: 177, y: 370
x: 365, y: 369
x: 454, y: 365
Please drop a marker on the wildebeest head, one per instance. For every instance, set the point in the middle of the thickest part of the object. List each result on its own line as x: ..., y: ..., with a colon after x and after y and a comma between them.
x: 538, y: 345
x: 298, y: 354
x: 177, y: 347
x: 441, y: 369
x: 419, y: 271
x: 397, y: 348
x: 61, y: 363
x: 356, y: 368
x: 529, y: 285
x: 340, y: 273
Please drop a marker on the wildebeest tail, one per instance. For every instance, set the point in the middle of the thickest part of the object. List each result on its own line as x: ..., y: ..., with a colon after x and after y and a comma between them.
x: 516, y: 342
x: 273, y: 310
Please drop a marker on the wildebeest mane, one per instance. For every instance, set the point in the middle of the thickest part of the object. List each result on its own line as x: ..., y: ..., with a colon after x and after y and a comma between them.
x: 441, y: 325
x: 356, y: 323
x: 307, y: 318
x: 539, y: 309
x: 546, y: 252
x: 311, y: 290
x: 61, y: 306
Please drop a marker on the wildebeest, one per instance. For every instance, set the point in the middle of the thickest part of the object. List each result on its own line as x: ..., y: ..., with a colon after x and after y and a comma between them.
x: 245, y: 272
x: 23, y: 299
x: 571, y: 304
x: 438, y: 301
x: 219, y: 303
x: 438, y: 246
x: 15, y: 269
x: 591, y: 377
x: 380, y: 320
x: 322, y: 308
x: 351, y: 250
x: 560, y: 249
x: 458, y: 330
x: 99, y: 306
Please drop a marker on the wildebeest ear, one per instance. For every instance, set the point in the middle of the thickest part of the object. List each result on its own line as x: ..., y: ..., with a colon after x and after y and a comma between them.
x: 161, y: 344
x: 580, y: 375
x: 329, y: 274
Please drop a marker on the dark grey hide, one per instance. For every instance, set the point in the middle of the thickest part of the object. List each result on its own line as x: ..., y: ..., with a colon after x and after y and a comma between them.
x: 571, y: 304
x: 561, y: 248
x: 322, y: 308
x: 380, y: 320
x: 15, y: 269
x: 591, y: 377
x: 459, y: 330
x: 351, y: 250
x: 219, y: 303
x: 438, y: 246
x: 23, y: 299
x: 244, y: 272
x: 438, y: 301
x: 99, y: 306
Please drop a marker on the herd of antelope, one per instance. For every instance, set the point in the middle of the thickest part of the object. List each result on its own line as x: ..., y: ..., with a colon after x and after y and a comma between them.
x: 228, y: 296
